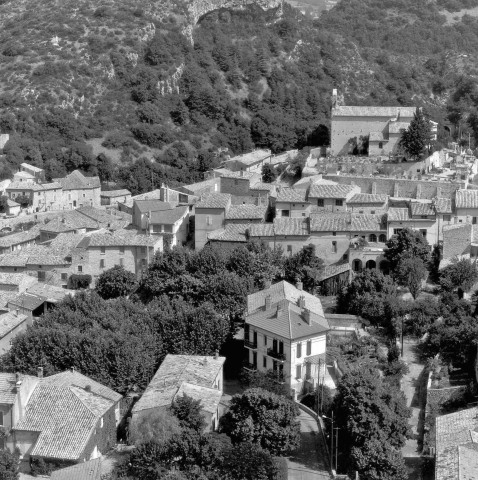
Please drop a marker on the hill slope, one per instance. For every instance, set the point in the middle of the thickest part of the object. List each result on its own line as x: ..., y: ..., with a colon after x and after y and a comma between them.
x: 127, y: 73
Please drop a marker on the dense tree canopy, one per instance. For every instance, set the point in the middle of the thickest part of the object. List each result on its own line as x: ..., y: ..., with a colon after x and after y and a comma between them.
x: 407, y: 243
x: 115, y: 282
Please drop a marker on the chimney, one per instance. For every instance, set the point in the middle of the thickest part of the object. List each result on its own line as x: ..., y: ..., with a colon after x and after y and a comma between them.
x: 18, y: 381
x: 306, y: 315
x: 280, y: 308
x: 17, y: 311
x: 88, y: 388
x: 268, y: 302
x: 216, y: 355
x: 72, y: 369
x: 334, y: 98
x: 299, y: 285
x: 40, y: 372
x: 267, y: 284
x: 63, y: 220
x: 301, y: 302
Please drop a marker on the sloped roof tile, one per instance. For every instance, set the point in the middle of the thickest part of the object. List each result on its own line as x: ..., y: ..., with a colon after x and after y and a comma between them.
x: 77, y: 181
x: 90, y: 470
x: 352, y: 111
x: 398, y: 214
x: 422, y: 208
x: 246, y: 211
x: 291, y: 195
x: 291, y: 226
x: 368, y: 198
x: 330, y: 191
x: 233, y: 232
x: 466, y: 198
x: 214, y: 200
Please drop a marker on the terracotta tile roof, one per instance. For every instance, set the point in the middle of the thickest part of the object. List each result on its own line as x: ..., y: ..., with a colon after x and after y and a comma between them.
x: 233, y: 232
x: 313, y: 179
x: 209, y: 397
x: 168, y: 217
x: 104, y: 218
x: 69, y: 221
x: 115, y: 193
x: 398, y: 214
x: 291, y: 195
x: 443, y: 205
x: 466, y: 198
x: 283, y: 291
x: 261, y: 230
x: 332, y: 270
x: 420, y: 208
x: 112, y: 240
x: 368, y: 198
x: 343, y: 320
x: 90, y: 470
x: 65, y: 418
x: 8, y: 391
x: 270, y: 187
x: 20, y: 237
x: 226, y: 173
x: 349, y: 111
x: 31, y: 167
x: 26, y: 301
x: 330, y: 191
x: 346, y: 222
x: 291, y: 226
x: 11, y: 203
x: 252, y: 157
x: 51, y: 186
x: 288, y: 320
x: 246, y: 212
x: 27, y: 175
x: 10, y: 321
x: 77, y: 181
x: 15, y: 279
x: 49, y: 293
x: 214, y: 200
x: 176, y: 369
x: 199, y: 188
x: 75, y: 378
x: 456, y: 433
x: 26, y: 186
x: 145, y: 206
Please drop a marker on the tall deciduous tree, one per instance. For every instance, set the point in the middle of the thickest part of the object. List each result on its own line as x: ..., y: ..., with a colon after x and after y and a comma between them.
x: 304, y: 266
x: 459, y: 275
x: 417, y: 136
x: 116, y: 282
x: 188, y: 412
x: 262, y: 417
x: 410, y: 273
x: 406, y: 243
x: 158, y: 425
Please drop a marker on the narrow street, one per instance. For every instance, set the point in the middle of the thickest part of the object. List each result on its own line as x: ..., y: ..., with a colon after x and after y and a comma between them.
x: 411, y: 388
x: 309, y: 461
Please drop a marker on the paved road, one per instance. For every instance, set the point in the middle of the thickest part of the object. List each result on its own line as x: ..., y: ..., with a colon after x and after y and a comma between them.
x: 309, y: 461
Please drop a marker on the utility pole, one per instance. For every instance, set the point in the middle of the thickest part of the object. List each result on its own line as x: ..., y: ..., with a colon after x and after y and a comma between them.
x: 336, y: 447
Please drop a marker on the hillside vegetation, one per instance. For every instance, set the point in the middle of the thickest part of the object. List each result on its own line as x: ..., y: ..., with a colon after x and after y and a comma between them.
x: 124, y: 72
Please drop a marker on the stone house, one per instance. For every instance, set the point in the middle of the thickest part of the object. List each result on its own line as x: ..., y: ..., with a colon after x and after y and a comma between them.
x: 113, y: 197
x: 142, y: 210
x: 17, y: 241
x: 292, y: 203
x: 38, y: 174
x: 285, y: 331
x: 466, y: 204
x: 331, y: 198
x: 198, y: 376
x: 63, y: 419
x: 249, y: 162
x: 79, y: 190
x: 210, y: 215
x: 172, y: 224
x: 246, y: 213
x: 11, y: 324
x: 367, y: 203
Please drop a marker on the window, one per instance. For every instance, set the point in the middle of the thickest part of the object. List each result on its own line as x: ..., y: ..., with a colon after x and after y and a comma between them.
x: 299, y: 350
x: 103, y: 250
x: 102, y: 263
x: 424, y: 217
x: 373, y: 237
x: 80, y: 268
x: 309, y: 347
x: 423, y: 232
x: 289, y: 248
x: 473, y: 220
x: 286, y: 213
x: 307, y: 371
x: 380, y: 144
x: 143, y: 262
x: 372, y: 212
x: 382, y: 238
x: 121, y: 260
x: 64, y: 276
x: 339, y: 203
x: 41, y: 276
x: 334, y: 247
x: 143, y: 250
x: 121, y: 250
x: 303, y: 214
x: 157, y: 228
x: 1, y: 418
x: 298, y: 371
x: 334, y: 234
x: 396, y: 231
x: 236, y: 182
x: 209, y: 220
x: 168, y: 228
x: 320, y: 202
x: 264, y: 361
x: 345, y: 256
x: 447, y: 218
x: 265, y: 340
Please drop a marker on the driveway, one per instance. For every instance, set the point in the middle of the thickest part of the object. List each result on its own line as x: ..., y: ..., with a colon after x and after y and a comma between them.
x: 309, y: 461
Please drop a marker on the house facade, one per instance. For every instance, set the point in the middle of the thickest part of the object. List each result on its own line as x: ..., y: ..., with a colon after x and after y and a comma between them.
x: 285, y: 331
x: 113, y: 197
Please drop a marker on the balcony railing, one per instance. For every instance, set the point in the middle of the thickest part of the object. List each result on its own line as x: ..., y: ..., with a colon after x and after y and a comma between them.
x: 250, y: 366
x: 275, y: 354
x: 249, y: 344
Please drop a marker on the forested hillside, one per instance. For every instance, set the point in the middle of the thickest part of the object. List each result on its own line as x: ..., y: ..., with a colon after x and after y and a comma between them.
x: 117, y: 75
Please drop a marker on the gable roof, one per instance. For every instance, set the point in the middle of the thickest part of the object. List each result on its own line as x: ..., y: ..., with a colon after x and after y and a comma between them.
x: 77, y: 181
x: 118, y: 240
x: 288, y: 320
x: 292, y: 195
x: 114, y: 193
x: 194, y: 369
x: 64, y: 418
x: 209, y: 397
x: 168, y: 217
x: 10, y: 321
x: 90, y: 470
x: 291, y: 226
x: 443, y: 205
x: 350, y: 111
x: 466, y: 198
x: 398, y: 214
x: 145, y: 206
x: 246, y: 211
x: 318, y: 190
x: 422, y: 208
x: 283, y: 291
x: 31, y: 167
x: 347, y: 222
x: 214, y: 200
x: 232, y: 232
x: 8, y: 391
x: 368, y: 198
x: 26, y: 186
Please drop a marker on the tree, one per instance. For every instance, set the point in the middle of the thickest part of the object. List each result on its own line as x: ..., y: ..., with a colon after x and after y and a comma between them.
x: 270, y: 380
x: 416, y: 138
x: 269, y: 173
x: 422, y: 314
x: 79, y: 282
x: 3, y: 203
x: 410, y: 273
x: 367, y: 295
x: 9, y: 464
x: 24, y: 200
x: 158, y: 425
x: 116, y: 282
x: 262, y: 417
x: 406, y: 243
x: 460, y: 275
x: 304, y: 266
x: 188, y: 412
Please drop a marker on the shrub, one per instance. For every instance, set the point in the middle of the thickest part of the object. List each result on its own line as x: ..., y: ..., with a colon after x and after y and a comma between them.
x: 78, y: 282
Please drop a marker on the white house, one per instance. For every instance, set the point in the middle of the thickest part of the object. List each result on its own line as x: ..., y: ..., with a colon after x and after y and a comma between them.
x: 286, y: 331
